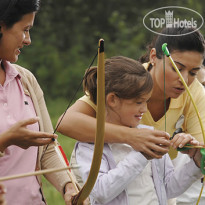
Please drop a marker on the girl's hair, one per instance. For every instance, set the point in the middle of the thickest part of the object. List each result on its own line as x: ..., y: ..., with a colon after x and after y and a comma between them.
x: 11, y: 11
x: 183, y: 42
x: 125, y: 77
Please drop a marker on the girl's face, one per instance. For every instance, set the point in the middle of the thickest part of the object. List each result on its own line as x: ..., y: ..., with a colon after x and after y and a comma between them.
x: 15, y: 38
x: 188, y: 63
x: 127, y: 112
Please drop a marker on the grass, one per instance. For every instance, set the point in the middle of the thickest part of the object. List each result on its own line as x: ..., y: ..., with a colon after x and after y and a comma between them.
x: 56, y: 108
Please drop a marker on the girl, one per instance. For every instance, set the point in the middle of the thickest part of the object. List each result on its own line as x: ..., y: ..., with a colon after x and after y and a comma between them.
x: 127, y: 176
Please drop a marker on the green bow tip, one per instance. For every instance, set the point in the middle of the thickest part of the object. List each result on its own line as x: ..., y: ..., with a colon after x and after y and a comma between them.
x: 202, y: 150
x: 165, y: 49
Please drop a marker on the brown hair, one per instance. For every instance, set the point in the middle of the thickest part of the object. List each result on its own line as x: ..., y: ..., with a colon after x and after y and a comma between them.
x: 176, y: 39
x: 125, y: 77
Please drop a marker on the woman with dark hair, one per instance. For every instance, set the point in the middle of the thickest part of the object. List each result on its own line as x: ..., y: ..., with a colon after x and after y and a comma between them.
x: 188, y: 53
x: 21, y: 101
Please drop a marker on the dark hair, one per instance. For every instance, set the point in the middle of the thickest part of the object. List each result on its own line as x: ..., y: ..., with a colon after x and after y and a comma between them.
x: 193, y: 41
x: 11, y: 11
x: 125, y: 77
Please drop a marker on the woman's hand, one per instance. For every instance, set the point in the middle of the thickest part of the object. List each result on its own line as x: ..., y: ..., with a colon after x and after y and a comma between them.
x: 151, y: 143
x: 21, y: 136
x: 2, y: 195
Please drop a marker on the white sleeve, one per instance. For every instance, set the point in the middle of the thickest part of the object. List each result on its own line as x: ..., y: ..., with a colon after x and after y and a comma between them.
x: 179, y: 180
x: 110, y: 182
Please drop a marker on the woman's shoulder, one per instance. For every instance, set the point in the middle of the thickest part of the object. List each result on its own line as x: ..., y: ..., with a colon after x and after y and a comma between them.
x: 197, y: 90
x: 87, y: 100
x: 196, y: 84
x: 22, y: 71
x: 26, y: 75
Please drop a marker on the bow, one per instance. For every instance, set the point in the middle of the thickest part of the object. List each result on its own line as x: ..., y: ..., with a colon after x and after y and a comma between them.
x: 202, y: 150
x: 100, y: 127
x: 100, y: 123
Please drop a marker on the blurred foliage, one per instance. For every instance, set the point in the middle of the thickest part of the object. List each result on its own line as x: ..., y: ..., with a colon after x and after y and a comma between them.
x: 66, y: 34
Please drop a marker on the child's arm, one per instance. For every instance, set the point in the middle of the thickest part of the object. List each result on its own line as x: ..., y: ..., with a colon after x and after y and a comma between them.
x: 179, y: 180
x: 176, y: 181
x: 112, y: 180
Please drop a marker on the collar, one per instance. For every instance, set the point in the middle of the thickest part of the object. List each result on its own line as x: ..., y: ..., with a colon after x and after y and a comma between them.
x: 10, y: 70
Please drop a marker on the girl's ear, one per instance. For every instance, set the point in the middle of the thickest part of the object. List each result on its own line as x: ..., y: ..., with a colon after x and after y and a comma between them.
x: 112, y: 100
x: 152, y: 56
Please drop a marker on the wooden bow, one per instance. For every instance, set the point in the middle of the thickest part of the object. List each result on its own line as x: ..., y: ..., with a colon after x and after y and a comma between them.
x: 100, y: 127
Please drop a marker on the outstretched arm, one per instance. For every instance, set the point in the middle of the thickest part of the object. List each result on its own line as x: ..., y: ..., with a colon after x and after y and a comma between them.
x: 21, y: 136
x: 79, y: 123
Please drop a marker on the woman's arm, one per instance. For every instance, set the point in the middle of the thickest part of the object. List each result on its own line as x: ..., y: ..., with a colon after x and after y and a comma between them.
x: 79, y: 123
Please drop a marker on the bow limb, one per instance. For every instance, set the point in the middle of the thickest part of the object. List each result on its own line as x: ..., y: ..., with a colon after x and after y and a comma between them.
x: 166, y: 52
x: 100, y: 127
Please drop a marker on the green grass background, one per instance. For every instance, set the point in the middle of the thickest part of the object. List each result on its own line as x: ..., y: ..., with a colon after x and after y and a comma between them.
x: 56, y: 107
